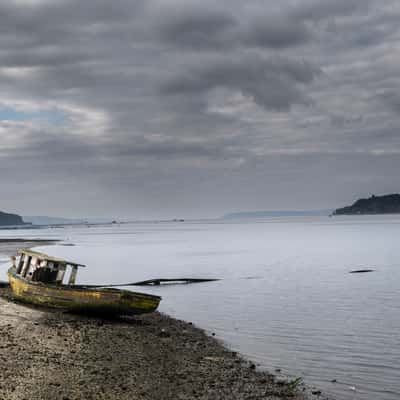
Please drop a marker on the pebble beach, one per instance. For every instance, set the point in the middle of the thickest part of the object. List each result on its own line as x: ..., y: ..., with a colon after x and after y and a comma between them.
x: 47, y: 354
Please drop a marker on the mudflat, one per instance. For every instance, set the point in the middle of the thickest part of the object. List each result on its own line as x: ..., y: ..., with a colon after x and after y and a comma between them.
x: 10, y: 247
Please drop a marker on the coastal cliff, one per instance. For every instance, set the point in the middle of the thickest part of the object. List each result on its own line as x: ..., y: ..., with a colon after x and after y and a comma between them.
x: 10, y: 219
x: 387, y: 204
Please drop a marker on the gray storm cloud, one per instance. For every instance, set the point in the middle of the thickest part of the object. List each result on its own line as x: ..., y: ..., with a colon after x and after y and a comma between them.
x: 158, y: 108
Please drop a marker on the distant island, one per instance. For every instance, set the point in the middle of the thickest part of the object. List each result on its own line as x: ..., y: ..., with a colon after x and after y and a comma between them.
x: 7, y: 219
x: 274, y: 214
x: 387, y: 204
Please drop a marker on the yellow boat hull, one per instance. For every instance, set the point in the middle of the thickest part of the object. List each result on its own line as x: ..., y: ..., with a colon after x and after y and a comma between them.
x: 103, y: 300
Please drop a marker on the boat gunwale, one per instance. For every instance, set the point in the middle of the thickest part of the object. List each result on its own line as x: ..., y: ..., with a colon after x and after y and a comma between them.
x: 12, y: 272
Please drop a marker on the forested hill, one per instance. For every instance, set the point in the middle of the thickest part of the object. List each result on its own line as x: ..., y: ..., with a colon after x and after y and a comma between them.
x: 387, y: 204
x: 10, y: 219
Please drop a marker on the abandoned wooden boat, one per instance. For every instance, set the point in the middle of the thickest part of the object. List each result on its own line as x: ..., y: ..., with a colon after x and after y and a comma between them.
x: 38, y: 279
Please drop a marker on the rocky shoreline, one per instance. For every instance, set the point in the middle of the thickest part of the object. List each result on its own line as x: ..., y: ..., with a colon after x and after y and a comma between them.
x: 48, y: 354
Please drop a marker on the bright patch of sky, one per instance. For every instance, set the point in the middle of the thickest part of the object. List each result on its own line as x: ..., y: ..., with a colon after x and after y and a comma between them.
x: 54, y: 117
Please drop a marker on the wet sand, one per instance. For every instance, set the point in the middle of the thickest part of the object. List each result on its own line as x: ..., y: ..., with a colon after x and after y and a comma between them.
x: 10, y: 247
x: 49, y: 354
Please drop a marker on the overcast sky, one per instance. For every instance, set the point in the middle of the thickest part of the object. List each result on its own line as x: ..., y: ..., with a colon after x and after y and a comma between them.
x: 158, y: 109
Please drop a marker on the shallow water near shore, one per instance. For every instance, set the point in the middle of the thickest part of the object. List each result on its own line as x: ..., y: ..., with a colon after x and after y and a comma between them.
x: 286, y: 299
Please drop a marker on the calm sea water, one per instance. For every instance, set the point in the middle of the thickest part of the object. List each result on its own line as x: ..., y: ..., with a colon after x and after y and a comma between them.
x: 286, y: 299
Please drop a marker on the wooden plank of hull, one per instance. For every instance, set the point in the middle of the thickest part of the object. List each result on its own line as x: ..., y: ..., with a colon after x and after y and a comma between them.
x: 79, y: 299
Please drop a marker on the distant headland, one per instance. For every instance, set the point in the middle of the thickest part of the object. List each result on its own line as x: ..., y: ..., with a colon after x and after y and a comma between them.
x: 10, y: 219
x: 387, y: 204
